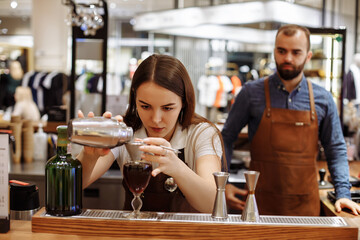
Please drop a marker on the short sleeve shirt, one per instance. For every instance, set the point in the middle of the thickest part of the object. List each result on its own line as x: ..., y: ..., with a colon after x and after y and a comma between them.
x: 197, y: 140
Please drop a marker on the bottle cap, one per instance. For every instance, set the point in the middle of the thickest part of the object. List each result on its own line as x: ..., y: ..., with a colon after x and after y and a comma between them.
x: 61, y: 129
x: 23, y: 196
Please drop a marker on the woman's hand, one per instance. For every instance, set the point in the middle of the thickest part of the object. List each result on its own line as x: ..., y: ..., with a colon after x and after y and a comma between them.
x: 95, y: 161
x: 168, y: 161
x: 98, y: 151
x: 106, y: 114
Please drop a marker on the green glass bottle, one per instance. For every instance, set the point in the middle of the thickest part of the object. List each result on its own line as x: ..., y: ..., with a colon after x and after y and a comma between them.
x: 63, y: 185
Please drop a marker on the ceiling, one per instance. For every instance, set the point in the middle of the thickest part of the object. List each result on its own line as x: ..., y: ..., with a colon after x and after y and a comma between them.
x: 118, y: 8
x: 129, y: 8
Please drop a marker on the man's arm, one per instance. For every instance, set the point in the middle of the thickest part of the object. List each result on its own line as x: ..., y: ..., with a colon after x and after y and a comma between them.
x: 236, y: 120
x: 332, y: 139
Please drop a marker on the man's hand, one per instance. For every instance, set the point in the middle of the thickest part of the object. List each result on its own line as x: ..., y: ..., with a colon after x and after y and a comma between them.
x: 232, y: 201
x: 347, y: 203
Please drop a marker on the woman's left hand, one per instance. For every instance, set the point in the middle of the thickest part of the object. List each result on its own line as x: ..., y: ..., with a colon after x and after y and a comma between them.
x: 168, y: 161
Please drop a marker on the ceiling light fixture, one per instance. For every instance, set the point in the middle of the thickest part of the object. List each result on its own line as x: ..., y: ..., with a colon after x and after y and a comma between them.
x: 13, y: 4
x: 88, y: 17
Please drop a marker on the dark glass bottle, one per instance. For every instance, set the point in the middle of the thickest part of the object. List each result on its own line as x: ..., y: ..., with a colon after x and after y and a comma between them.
x: 63, y: 186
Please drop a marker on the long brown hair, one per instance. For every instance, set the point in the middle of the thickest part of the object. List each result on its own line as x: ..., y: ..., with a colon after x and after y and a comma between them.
x: 167, y: 72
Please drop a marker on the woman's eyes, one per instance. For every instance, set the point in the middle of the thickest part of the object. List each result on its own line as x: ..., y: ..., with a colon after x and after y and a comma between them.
x: 168, y: 108
x: 164, y: 108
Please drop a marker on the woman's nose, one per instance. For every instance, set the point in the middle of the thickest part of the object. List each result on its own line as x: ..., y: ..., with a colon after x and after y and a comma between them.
x: 157, y: 116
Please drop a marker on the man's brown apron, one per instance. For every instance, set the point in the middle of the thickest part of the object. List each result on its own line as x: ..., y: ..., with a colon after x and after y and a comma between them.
x: 157, y: 198
x: 284, y: 151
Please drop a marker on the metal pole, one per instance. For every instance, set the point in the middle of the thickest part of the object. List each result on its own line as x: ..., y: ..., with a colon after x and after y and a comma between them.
x: 356, y: 25
x: 72, y: 78
x: 323, y: 13
x: 104, y: 52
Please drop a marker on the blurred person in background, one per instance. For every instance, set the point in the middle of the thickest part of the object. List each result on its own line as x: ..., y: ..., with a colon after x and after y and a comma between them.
x: 25, y: 107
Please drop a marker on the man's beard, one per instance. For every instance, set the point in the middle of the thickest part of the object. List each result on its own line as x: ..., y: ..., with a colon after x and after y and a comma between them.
x: 288, y: 74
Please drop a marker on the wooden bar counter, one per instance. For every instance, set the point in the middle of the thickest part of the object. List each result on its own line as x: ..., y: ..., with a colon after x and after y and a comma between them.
x: 25, y: 229
x: 328, y: 207
x: 82, y: 229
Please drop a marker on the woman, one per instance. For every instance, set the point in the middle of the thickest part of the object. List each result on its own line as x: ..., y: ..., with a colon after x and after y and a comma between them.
x: 162, y: 112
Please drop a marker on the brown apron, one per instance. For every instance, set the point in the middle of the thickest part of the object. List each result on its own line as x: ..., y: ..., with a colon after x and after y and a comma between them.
x: 284, y: 151
x: 157, y: 198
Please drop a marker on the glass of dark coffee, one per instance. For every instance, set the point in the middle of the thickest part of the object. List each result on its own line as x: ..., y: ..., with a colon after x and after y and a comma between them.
x: 137, y: 174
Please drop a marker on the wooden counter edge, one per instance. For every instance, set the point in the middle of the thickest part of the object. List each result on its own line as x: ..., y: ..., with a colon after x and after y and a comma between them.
x: 183, y: 230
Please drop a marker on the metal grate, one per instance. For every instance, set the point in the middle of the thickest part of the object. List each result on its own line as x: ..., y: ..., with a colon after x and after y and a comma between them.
x: 206, y: 218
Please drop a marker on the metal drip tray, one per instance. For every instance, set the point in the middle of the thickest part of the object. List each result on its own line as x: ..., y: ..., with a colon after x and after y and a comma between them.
x: 206, y: 218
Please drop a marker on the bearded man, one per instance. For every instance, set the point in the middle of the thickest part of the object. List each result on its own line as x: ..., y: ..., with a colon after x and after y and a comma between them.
x: 286, y: 116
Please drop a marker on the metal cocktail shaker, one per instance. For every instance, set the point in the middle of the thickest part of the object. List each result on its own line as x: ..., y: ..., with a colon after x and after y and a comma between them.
x: 99, y: 132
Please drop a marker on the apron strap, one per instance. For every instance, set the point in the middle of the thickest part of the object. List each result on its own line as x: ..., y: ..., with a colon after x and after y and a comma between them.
x: 268, y: 104
x: 312, y: 102
x: 267, y: 97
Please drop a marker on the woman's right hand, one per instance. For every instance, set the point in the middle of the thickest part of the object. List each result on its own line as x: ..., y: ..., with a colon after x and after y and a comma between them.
x: 98, y: 151
x: 95, y: 161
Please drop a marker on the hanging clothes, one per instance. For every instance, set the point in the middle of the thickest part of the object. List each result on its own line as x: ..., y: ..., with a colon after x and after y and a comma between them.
x: 225, y: 87
x: 352, y: 84
x: 236, y: 82
x: 113, y: 84
x: 47, y: 88
x: 219, y: 93
x: 82, y: 82
x: 37, y: 88
x: 53, y: 87
x: 208, y: 87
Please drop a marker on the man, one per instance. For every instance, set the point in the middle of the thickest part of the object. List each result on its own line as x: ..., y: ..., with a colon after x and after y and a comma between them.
x: 286, y: 116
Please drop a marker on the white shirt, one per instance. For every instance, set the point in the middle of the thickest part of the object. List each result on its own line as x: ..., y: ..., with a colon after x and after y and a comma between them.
x: 196, y: 141
x: 227, y: 88
x: 208, y: 87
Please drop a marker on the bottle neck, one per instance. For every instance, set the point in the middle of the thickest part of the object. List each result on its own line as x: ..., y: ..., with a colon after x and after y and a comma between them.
x: 61, y: 148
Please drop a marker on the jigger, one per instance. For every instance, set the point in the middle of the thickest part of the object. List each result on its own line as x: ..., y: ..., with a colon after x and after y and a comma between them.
x: 220, y: 209
x: 251, y: 212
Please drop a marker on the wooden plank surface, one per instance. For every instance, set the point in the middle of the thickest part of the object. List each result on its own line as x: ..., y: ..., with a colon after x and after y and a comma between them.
x: 183, y: 230
x: 21, y: 230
